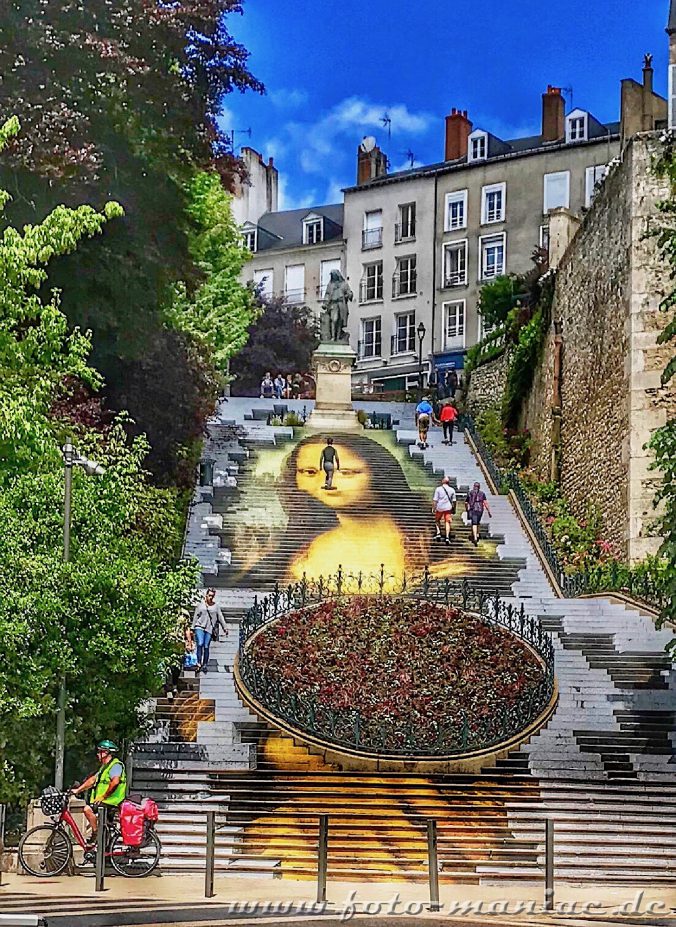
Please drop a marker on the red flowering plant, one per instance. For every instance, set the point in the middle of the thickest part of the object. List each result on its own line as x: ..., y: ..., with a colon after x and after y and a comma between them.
x: 399, y: 663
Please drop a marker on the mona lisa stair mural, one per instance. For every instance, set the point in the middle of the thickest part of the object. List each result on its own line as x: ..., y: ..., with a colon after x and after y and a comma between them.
x: 602, y: 767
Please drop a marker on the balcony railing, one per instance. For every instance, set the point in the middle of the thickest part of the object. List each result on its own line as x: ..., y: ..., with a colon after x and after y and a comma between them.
x: 371, y: 238
x: 455, y: 278
x: 404, y: 232
x: 370, y: 291
x: 404, y: 284
x: 295, y: 296
x: 402, y: 344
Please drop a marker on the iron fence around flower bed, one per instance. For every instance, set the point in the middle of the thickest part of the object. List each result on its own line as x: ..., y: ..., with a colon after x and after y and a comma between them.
x: 582, y: 582
x: 390, y: 736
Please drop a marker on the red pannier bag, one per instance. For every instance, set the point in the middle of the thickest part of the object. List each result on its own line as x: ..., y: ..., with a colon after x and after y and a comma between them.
x: 150, y: 809
x: 132, y: 819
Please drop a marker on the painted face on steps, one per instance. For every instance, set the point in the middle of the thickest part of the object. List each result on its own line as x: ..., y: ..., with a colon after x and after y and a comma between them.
x: 352, y: 481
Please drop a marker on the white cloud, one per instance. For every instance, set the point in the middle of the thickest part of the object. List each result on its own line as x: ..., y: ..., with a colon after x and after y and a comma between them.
x: 288, y: 99
x: 275, y: 148
x: 288, y: 201
x: 329, y: 138
x: 405, y: 166
x: 334, y: 191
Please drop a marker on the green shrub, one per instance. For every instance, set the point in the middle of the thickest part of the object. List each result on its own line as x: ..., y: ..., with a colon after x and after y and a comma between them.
x: 362, y: 416
x: 293, y: 420
x: 496, y: 300
x: 522, y: 367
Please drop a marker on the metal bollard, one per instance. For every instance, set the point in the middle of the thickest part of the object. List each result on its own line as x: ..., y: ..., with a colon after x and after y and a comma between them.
x: 549, y: 865
x: 433, y: 865
x: 101, y: 841
x: 322, y: 858
x: 210, y: 855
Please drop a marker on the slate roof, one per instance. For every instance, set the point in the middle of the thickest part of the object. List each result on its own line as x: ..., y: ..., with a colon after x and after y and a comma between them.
x: 502, y: 149
x: 281, y: 230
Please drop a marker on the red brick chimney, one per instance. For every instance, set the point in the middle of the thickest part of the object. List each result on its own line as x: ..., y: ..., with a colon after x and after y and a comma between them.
x: 370, y: 164
x: 458, y: 129
x: 553, y: 115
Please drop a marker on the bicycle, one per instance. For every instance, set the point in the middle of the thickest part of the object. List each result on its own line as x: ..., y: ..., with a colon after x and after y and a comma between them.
x: 47, y: 850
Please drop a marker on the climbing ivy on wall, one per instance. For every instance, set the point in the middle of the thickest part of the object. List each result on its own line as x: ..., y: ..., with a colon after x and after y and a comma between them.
x: 663, y: 442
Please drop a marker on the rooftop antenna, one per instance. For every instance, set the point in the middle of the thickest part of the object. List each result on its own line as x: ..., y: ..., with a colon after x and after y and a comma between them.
x: 387, y: 124
x: 410, y: 157
x: 568, y: 91
x: 234, y: 132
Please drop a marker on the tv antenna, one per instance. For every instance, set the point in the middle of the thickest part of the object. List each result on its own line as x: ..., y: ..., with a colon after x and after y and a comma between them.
x: 410, y: 157
x: 234, y: 132
x: 387, y: 124
x: 568, y: 91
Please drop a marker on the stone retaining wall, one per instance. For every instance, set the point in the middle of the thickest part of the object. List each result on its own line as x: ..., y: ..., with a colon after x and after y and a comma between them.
x: 487, y: 384
x: 608, y: 290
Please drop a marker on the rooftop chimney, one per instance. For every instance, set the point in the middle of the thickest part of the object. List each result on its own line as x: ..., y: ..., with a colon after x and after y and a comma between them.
x: 371, y: 163
x: 458, y: 128
x: 553, y: 113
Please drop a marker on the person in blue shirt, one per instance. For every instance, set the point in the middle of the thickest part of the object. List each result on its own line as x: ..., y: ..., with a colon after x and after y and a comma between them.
x: 423, y: 417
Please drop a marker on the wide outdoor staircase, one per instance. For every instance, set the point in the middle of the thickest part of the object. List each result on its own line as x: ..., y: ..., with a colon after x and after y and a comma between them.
x: 602, y: 769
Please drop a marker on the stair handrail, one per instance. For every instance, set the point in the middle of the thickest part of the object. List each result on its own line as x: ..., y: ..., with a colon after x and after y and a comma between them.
x: 571, y: 585
x: 346, y: 727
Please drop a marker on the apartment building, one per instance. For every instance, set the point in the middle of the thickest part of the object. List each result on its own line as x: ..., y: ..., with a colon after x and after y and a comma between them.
x: 417, y: 246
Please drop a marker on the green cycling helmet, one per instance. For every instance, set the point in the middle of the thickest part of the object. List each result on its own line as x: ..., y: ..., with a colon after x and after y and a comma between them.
x: 108, y: 746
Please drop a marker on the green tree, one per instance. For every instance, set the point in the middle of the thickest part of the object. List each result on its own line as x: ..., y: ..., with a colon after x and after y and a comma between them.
x: 496, y: 300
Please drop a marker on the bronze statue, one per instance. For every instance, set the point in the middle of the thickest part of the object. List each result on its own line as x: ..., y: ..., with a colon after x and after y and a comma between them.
x: 334, y: 316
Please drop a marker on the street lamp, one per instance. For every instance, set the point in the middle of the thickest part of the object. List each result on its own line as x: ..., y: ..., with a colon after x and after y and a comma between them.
x: 71, y: 459
x: 421, y: 336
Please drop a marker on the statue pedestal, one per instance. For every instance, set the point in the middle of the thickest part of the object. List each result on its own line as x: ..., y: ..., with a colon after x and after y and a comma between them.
x: 333, y: 373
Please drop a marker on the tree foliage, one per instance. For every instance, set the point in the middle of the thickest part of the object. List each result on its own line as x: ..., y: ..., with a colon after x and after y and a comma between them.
x: 107, y: 619
x: 282, y: 339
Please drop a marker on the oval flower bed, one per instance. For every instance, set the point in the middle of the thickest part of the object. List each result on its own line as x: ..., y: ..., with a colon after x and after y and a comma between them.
x: 395, y: 675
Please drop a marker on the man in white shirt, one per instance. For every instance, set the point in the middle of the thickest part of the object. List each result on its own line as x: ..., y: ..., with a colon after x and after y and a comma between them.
x: 443, y: 506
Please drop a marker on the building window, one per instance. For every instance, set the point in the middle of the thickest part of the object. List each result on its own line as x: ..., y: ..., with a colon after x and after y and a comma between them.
x: 492, y: 256
x: 370, y: 344
x: 478, y: 147
x: 325, y: 269
x: 576, y: 126
x: 372, y: 233
x: 250, y: 237
x: 455, y: 263
x: 404, y: 230
x: 544, y: 237
x: 557, y: 190
x: 404, y: 333
x: 263, y: 281
x: 455, y: 211
x: 372, y: 282
x: 593, y: 177
x: 493, y: 203
x: 405, y: 280
x: 454, y: 325
x: 294, y: 283
x: 313, y: 230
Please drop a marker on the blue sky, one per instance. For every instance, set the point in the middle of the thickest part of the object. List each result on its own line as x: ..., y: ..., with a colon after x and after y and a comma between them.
x: 333, y: 69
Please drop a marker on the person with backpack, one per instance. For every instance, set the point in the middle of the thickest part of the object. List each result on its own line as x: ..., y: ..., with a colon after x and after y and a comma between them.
x: 108, y: 784
x: 443, y: 508
x: 423, y: 417
x: 476, y: 503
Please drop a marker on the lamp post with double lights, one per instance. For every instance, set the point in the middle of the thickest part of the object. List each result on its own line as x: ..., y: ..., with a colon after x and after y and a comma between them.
x: 71, y: 459
x: 421, y: 330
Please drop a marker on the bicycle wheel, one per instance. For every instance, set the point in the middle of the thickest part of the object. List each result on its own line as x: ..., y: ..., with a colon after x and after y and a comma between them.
x: 45, y: 851
x: 135, y: 862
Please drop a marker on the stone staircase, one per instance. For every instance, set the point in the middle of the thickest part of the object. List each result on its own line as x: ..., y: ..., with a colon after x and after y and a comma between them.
x: 602, y: 769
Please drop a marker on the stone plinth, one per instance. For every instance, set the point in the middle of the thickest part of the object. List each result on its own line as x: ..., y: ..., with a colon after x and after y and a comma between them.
x: 333, y: 373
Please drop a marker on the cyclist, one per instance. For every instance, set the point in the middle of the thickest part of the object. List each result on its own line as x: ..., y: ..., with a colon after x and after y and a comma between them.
x: 108, y: 785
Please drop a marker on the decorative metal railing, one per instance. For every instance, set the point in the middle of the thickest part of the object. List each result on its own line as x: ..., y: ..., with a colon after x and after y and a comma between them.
x: 349, y: 728
x: 581, y: 582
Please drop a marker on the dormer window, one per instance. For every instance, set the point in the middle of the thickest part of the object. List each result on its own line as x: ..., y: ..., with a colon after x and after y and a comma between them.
x: 250, y: 236
x: 313, y: 230
x: 477, y: 149
x: 576, y: 126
